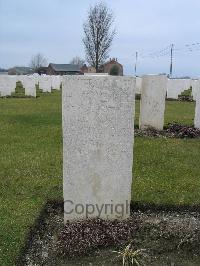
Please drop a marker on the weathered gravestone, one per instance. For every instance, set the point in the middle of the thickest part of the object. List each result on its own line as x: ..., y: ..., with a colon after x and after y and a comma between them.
x: 98, y: 132
x: 138, y: 85
x: 29, y: 83
x: 36, y: 77
x: 152, y: 104
x: 176, y: 86
x: 197, y: 109
x: 45, y: 83
x: 195, y: 84
x: 96, y: 74
x: 7, y: 85
x: 21, y: 78
x: 55, y: 82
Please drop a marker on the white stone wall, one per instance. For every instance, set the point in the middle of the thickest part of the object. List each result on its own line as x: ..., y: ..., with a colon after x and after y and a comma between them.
x: 98, y: 132
x: 152, y: 103
x: 197, y: 111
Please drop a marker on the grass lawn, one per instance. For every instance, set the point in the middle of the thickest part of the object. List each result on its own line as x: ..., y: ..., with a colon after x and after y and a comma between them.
x: 30, y: 166
x: 165, y: 170
x: 175, y: 111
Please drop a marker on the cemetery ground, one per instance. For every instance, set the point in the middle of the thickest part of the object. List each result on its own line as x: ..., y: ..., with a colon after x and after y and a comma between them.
x: 166, y: 172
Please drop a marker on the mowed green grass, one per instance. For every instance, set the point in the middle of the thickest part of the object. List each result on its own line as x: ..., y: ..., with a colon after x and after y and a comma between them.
x: 175, y: 111
x: 166, y: 171
x: 30, y: 166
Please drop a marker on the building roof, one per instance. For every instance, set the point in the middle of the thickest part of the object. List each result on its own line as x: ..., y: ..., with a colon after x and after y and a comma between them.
x: 21, y: 70
x: 65, y: 67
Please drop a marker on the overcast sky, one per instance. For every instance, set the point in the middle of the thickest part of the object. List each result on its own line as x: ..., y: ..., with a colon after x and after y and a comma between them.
x: 54, y: 28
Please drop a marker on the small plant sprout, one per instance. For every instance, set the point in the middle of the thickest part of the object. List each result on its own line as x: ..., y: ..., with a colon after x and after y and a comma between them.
x: 130, y: 256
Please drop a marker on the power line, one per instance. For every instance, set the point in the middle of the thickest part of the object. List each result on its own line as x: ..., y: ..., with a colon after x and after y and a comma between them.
x: 155, y: 53
x: 168, y: 51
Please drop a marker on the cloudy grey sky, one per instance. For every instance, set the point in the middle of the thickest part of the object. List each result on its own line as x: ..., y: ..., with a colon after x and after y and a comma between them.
x: 54, y: 28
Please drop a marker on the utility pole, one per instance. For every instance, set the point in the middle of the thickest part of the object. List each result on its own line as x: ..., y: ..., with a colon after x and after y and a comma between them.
x: 136, y: 59
x: 171, y: 62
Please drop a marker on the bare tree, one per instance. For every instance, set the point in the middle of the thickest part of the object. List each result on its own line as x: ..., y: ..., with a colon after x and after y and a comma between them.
x: 77, y: 61
x: 38, y: 61
x: 98, y: 34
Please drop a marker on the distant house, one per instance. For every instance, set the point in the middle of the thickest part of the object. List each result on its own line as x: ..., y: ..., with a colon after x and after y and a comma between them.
x: 42, y: 70
x: 63, y: 69
x: 112, y: 67
x: 20, y: 71
x: 88, y: 69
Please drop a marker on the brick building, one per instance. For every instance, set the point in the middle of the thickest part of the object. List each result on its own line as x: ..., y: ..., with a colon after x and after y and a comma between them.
x: 112, y: 67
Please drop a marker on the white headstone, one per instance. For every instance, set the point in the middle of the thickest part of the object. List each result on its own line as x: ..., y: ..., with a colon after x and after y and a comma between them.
x: 36, y: 77
x: 195, y: 83
x: 152, y: 103
x: 21, y: 78
x: 29, y: 85
x: 98, y: 132
x: 7, y: 85
x: 55, y: 82
x: 176, y: 86
x: 197, y: 111
x: 45, y: 83
x: 138, y: 85
x: 96, y: 74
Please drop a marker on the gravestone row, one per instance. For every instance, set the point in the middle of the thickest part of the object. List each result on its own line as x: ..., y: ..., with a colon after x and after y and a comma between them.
x: 29, y: 82
x: 153, y: 90
x: 98, y: 134
x: 174, y: 87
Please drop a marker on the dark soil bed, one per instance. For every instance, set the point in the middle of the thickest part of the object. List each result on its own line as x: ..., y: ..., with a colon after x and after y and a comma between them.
x: 169, y: 237
x: 171, y: 131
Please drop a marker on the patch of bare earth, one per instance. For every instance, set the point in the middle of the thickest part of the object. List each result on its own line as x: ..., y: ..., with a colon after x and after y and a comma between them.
x: 168, y: 237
